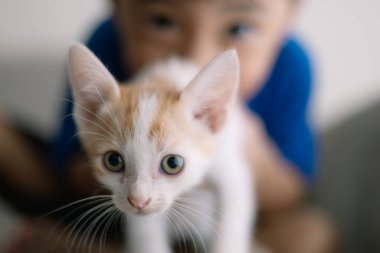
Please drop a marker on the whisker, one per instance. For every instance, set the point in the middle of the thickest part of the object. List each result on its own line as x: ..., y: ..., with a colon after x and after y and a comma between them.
x: 196, y: 213
x: 87, y: 110
x: 181, y: 219
x: 112, y: 218
x: 113, y: 115
x: 193, y: 228
x: 94, y: 140
x: 95, y: 224
x: 88, y: 214
x: 105, y: 137
x: 91, y: 202
x: 96, y: 124
x: 77, y: 202
x: 179, y: 233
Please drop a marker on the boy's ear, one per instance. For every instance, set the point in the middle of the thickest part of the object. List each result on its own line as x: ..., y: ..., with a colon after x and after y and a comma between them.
x: 212, y: 92
x: 92, y: 84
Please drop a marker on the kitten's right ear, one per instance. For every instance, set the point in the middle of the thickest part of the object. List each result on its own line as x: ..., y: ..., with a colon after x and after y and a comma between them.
x: 92, y: 84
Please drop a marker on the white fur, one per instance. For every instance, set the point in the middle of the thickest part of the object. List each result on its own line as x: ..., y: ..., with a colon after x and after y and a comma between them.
x: 215, y: 189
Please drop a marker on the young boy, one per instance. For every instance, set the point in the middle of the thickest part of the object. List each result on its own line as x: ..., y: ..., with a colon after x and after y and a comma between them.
x: 274, y: 89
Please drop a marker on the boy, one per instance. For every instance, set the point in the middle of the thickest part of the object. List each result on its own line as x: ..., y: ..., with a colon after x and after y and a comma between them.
x: 275, y: 86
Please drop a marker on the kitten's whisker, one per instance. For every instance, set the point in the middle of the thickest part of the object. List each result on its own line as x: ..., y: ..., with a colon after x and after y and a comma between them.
x: 177, y: 228
x: 89, y: 215
x: 74, y: 231
x: 95, y: 140
x: 209, y: 222
x: 95, y: 224
x: 186, y: 226
x: 88, y: 229
x: 92, y: 218
x: 95, y: 124
x: 104, y: 220
x: 77, y: 202
x: 193, y: 228
x: 112, y: 218
x: 189, y: 201
x: 95, y: 183
x: 179, y: 233
x: 91, y: 202
x: 87, y: 110
x: 105, y: 137
x: 113, y: 115
x: 194, y: 212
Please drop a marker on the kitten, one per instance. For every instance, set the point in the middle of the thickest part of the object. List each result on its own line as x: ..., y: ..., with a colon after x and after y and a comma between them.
x: 168, y: 146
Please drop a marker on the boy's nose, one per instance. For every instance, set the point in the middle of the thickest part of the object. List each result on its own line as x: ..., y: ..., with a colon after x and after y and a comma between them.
x: 138, y: 203
x: 200, y: 50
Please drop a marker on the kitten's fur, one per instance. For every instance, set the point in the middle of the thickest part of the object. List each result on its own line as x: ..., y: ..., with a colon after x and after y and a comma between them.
x: 166, y: 110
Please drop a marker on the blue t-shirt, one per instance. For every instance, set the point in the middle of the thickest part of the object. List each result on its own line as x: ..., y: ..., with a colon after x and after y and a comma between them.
x: 281, y: 103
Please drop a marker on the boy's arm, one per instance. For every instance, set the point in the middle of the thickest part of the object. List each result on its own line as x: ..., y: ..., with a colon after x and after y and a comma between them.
x: 279, y: 185
x: 280, y: 142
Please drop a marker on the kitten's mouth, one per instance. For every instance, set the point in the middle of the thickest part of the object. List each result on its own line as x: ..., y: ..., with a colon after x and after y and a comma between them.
x: 143, y: 212
x: 148, y: 210
x: 137, y: 211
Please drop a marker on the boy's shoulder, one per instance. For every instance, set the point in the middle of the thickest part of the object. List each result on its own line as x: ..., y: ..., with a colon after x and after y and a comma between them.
x: 292, y: 68
x: 104, y: 42
x: 293, y: 50
x: 289, y: 79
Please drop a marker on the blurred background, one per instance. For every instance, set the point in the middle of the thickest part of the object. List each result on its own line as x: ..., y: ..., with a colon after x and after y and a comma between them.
x: 343, y: 38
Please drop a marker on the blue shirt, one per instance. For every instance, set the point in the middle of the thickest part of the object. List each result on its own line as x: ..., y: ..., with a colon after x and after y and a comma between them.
x: 281, y: 103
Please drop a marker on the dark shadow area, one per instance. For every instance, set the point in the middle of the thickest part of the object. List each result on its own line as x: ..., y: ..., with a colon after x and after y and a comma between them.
x: 349, y: 183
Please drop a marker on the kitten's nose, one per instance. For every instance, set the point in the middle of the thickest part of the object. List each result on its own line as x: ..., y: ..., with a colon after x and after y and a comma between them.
x: 138, y: 203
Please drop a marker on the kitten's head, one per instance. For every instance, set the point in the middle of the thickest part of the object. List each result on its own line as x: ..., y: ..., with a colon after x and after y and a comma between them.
x: 152, y: 141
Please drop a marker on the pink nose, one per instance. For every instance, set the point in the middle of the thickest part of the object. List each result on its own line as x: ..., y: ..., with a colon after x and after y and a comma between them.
x: 138, y: 203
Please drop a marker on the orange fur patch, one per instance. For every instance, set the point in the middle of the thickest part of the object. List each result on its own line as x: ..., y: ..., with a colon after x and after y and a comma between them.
x: 166, y: 120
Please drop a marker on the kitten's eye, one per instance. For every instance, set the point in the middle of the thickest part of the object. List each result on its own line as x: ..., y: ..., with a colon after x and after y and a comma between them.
x: 113, y: 161
x: 172, y: 164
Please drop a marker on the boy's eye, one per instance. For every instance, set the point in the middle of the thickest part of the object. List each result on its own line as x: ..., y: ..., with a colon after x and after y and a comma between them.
x: 113, y: 161
x: 162, y: 22
x: 239, y: 30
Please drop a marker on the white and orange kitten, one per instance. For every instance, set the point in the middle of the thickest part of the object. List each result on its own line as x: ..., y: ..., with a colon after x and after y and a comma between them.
x: 169, y: 147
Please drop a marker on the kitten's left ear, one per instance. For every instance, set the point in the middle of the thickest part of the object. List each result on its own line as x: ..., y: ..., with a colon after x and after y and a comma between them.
x: 92, y: 84
x: 212, y: 92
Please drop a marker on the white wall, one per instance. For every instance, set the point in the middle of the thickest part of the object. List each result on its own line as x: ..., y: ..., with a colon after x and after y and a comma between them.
x: 343, y: 35
x: 46, y: 26
x: 34, y: 38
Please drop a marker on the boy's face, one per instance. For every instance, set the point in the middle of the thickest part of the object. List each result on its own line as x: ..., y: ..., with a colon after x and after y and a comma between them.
x: 199, y: 29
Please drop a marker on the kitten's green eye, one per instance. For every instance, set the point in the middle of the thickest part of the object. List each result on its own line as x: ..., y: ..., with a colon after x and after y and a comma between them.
x: 172, y: 164
x: 113, y: 161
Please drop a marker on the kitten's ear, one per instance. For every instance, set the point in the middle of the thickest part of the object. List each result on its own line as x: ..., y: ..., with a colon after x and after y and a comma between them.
x: 92, y: 84
x: 212, y: 92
